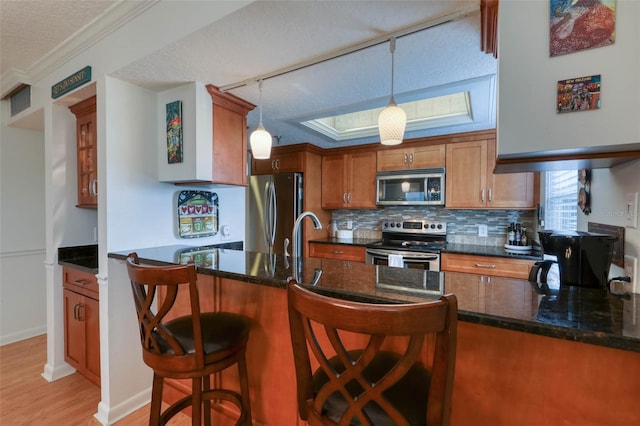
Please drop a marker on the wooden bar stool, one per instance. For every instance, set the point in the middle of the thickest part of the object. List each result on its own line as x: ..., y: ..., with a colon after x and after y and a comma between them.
x: 193, y: 347
x: 360, y: 382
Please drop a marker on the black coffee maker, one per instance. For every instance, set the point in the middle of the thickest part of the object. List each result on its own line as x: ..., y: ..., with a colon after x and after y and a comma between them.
x: 584, y: 258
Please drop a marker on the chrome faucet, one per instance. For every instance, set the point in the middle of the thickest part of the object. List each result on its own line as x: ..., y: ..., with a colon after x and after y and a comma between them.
x: 295, y: 251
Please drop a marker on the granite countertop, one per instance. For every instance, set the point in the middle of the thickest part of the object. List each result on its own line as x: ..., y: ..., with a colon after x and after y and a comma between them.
x: 84, y: 258
x: 498, y: 251
x: 472, y: 249
x: 572, y: 313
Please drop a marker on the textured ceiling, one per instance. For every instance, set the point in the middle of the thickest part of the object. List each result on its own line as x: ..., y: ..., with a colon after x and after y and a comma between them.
x: 30, y: 29
x: 269, y: 35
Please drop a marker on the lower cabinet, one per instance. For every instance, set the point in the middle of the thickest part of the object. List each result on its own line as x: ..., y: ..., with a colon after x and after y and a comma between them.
x: 486, y: 265
x: 338, y: 251
x: 81, y: 323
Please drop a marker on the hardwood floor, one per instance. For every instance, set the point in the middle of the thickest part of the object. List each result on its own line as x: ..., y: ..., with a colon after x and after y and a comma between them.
x: 26, y: 398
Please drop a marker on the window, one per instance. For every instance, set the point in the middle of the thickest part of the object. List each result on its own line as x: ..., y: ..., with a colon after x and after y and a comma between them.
x: 561, y: 199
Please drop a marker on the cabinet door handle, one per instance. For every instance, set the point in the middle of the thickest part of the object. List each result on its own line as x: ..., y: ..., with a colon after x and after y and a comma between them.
x: 278, y: 164
x: 273, y: 164
x: 337, y: 252
x: 75, y: 311
x: 81, y: 282
x: 482, y: 195
x: 406, y: 158
x: 344, y: 198
x: 481, y: 265
x: 93, y: 189
x: 349, y: 198
x: 490, y: 195
x: 80, y: 311
x: 411, y: 158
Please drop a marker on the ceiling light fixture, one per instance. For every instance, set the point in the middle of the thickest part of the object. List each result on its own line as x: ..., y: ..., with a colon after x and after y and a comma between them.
x: 392, y: 120
x: 260, y: 139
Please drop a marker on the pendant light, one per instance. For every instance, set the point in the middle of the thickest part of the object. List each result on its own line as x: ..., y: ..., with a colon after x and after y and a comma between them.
x: 392, y: 120
x: 260, y: 139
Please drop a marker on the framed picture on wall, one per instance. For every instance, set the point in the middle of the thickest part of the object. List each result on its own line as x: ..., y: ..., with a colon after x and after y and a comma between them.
x: 579, y: 25
x: 578, y: 94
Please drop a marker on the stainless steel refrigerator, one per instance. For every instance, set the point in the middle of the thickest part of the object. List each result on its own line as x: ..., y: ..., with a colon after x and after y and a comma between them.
x: 274, y: 202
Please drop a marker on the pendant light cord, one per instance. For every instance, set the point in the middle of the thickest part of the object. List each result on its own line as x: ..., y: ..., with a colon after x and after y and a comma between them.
x: 392, y: 49
x: 260, y: 86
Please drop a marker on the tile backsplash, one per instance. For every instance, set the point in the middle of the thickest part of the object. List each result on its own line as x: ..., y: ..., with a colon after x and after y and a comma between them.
x: 462, y: 225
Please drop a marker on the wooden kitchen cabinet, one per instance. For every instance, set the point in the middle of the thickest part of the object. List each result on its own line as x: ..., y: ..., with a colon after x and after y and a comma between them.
x: 486, y: 265
x: 471, y: 184
x: 280, y: 162
x: 87, y: 152
x: 81, y: 323
x: 419, y: 157
x: 349, y: 181
x: 338, y: 251
x: 214, y: 137
x: 229, y: 137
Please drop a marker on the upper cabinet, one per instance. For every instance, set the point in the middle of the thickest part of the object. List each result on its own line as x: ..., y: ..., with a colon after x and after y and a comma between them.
x: 280, y: 162
x: 471, y: 184
x: 419, y: 157
x: 349, y: 181
x: 87, y: 151
x: 202, y: 136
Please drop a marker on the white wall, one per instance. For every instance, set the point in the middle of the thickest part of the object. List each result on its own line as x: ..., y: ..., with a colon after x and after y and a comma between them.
x: 22, y: 227
x: 527, y: 78
x: 139, y: 212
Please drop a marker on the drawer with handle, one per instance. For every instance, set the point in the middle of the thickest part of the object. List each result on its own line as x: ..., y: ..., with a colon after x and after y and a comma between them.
x: 338, y: 251
x: 81, y: 282
x: 486, y: 265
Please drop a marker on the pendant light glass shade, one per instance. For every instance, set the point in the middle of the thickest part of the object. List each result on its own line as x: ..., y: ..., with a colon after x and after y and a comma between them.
x: 392, y: 121
x: 260, y: 139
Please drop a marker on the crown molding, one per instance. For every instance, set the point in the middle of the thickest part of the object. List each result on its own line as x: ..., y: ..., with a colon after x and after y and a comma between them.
x: 113, y: 18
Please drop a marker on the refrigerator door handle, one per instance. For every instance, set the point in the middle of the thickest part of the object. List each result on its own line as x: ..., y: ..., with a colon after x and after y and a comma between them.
x: 267, y: 211
x: 273, y: 215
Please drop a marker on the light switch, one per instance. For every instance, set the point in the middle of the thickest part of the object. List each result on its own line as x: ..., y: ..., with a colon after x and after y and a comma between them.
x: 631, y: 210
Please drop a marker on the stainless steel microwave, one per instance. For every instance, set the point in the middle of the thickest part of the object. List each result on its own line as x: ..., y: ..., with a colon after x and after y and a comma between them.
x: 411, y: 187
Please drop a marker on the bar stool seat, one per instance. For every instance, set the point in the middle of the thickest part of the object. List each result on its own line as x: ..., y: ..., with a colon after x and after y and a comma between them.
x: 192, y: 346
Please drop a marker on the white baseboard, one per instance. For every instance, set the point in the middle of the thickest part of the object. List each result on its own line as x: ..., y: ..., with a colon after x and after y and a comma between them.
x: 109, y: 415
x: 23, y: 335
x: 52, y: 373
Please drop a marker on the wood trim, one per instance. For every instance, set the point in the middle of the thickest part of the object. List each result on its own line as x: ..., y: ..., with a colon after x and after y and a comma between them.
x: 229, y: 101
x: 591, y: 160
x: 84, y: 107
x: 489, y: 27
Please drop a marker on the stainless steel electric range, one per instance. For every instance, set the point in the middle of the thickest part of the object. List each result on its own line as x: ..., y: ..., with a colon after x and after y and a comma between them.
x: 410, y: 244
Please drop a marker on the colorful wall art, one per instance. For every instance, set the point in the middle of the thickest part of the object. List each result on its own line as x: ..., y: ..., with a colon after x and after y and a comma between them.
x: 581, y: 24
x: 174, y: 132
x: 578, y: 94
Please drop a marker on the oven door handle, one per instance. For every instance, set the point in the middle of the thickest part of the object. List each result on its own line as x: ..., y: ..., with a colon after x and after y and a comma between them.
x: 419, y: 259
x: 408, y: 257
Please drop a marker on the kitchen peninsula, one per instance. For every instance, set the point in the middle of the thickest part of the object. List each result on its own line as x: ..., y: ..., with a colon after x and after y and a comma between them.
x: 526, y: 355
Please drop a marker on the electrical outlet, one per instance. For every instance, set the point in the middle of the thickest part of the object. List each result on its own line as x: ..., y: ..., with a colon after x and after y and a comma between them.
x: 631, y: 210
x: 482, y: 231
x: 631, y: 270
x: 225, y: 232
x: 349, y: 224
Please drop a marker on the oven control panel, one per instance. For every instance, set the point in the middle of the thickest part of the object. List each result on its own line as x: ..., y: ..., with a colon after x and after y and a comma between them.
x: 423, y: 226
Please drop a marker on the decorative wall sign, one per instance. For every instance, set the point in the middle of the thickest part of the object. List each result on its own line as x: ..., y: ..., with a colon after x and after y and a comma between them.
x: 174, y: 132
x: 197, y: 214
x: 578, y: 25
x: 578, y: 94
x: 75, y: 80
x: 584, y: 194
x: 618, y: 247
